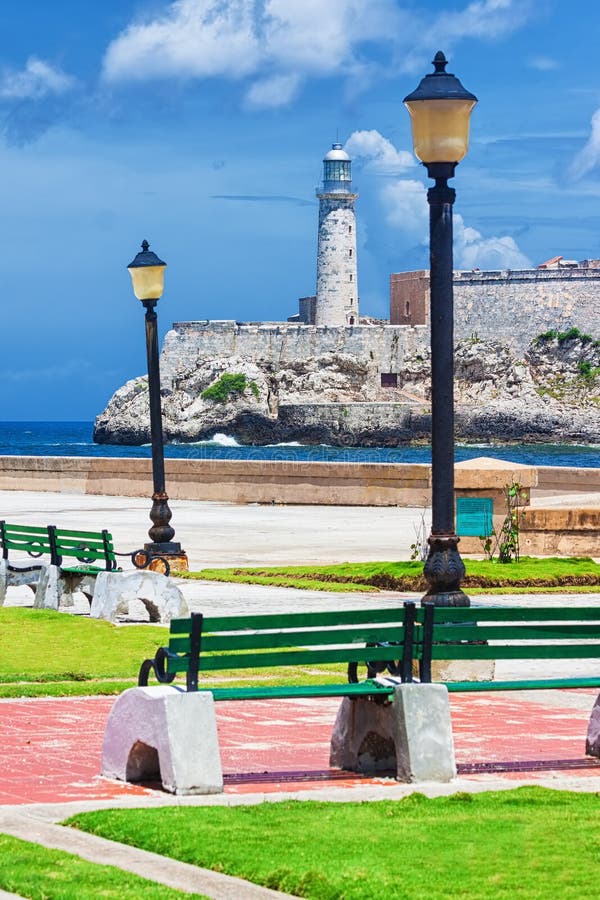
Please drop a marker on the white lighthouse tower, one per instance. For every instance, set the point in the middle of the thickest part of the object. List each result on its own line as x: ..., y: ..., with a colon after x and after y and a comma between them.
x: 337, y: 287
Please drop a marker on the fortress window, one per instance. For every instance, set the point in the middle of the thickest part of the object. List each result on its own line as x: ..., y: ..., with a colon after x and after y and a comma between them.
x: 351, y: 276
x: 351, y: 320
x: 389, y: 379
x: 407, y: 311
x: 349, y: 229
x: 349, y: 252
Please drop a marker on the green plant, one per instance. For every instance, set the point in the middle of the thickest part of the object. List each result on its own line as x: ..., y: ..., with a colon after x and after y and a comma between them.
x: 229, y: 383
x: 505, y: 542
x: 254, y: 388
x: 420, y: 548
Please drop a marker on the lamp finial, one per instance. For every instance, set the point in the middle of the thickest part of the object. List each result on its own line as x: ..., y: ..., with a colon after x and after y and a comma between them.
x: 440, y: 62
x: 145, y: 245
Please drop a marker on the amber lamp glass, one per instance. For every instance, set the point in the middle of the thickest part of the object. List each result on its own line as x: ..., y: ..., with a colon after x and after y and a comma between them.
x: 147, y: 274
x: 440, y: 110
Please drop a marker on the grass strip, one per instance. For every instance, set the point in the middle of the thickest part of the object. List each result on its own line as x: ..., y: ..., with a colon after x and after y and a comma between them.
x: 44, y: 644
x: 530, y: 572
x: 90, y: 658
x: 514, y: 845
x: 32, y: 870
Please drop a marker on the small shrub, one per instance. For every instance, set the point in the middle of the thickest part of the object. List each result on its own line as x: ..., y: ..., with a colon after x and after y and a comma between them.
x: 228, y: 384
x: 254, y: 388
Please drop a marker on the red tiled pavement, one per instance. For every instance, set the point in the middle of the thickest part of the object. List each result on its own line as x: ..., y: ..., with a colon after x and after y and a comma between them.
x: 51, y: 748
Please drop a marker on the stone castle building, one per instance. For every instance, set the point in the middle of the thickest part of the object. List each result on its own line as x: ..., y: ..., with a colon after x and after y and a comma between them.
x: 511, y: 306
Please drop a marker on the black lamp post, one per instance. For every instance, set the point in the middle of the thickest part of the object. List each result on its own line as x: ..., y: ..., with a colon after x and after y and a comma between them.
x: 147, y: 274
x: 440, y: 110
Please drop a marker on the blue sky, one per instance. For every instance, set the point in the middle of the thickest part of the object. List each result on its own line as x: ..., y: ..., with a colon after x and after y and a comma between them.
x: 201, y: 125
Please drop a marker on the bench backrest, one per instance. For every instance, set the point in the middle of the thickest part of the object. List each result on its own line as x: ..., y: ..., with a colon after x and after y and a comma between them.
x: 87, y: 547
x: 256, y: 641
x: 30, y: 539
x: 505, y: 633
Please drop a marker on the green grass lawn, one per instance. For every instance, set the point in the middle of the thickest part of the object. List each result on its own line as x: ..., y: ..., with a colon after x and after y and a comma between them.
x: 526, y: 843
x: 31, y: 870
x: 529, y: 575
x: 50, y: 654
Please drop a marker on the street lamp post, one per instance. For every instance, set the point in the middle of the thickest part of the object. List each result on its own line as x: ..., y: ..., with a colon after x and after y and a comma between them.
x: 147, y: 275
x: 440, y: 110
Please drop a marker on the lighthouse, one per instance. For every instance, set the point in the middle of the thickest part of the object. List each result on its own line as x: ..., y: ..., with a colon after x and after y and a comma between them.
x: 337, y: 286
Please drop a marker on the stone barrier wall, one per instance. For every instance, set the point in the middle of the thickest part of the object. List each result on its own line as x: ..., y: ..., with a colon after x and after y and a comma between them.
x: 234, y: 481
x: 545, y: 531
x: 384, y: 346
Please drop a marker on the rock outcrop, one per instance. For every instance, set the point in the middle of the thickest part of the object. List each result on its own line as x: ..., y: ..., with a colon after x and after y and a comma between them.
x: 550, y: 394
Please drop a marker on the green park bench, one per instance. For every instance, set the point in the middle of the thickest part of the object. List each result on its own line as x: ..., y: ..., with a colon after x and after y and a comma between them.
x: 59, y: 559
x: 365, y: 636
x: 500, y: 633
x: 383, y: 721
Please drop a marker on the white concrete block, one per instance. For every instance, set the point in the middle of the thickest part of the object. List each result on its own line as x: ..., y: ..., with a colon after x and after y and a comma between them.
x: 164, y: 731
x: 160, y: 595
x: 49, y: 589
x: 592, y: 744
x: 412, y: 734
x: 3, y: 581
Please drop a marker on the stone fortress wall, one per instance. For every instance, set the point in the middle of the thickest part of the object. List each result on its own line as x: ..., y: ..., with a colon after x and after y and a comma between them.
x: 280, y: 343
x: 511, y: 306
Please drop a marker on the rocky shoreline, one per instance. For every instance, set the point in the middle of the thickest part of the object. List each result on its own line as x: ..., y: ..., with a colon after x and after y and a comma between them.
x: 549, y: 394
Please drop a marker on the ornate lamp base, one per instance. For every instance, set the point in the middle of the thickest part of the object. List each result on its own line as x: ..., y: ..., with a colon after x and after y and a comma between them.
x: 444, y: 571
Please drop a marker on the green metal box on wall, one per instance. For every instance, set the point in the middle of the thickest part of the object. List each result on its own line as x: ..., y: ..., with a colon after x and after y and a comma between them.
x: 474, y: 516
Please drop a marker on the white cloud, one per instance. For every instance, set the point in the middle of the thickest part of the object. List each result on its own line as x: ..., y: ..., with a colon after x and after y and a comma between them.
x: 543, y: 63
x: 193, y: 38
x: 380, y: 153
x: 405, y: 203
x: 269, y: 93
x: 279, y: 40
x: 588, y: 157
x: 38, y: 79
x: 406, y: 208
x: 472, y: 250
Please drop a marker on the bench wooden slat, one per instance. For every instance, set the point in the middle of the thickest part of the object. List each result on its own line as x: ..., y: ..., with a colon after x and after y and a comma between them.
x: 38, y: 545
x: 517, y: 632
x: 25, y: 529
x: 511, y: 614
x: 285, y: 658
x: 291, y: 620
x: 262, y: 640
x: 363, y: 689
x: 515, y: 651
x: 81, y: 553
x: 534, y: 684
x: 81, y: 535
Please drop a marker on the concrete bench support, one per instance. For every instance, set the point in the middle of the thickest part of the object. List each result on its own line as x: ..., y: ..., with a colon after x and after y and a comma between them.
x: 160, y: 595
x: 163, y: 731
x: 14, y: 576
x: 55, y: 588
x: 411, y: 735
x: 592, y: 744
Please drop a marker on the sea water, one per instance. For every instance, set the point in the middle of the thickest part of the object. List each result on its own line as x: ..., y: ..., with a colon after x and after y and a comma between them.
x: 75, y: 439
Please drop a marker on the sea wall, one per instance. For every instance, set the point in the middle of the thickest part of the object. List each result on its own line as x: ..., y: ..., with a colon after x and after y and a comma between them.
x: 233, y: 481
x: 562, y: 531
